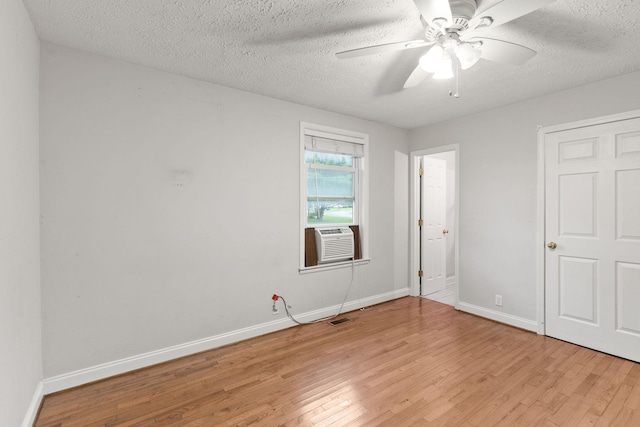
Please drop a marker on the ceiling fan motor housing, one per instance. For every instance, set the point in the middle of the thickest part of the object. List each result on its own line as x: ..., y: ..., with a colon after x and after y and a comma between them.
x: 461, y: 11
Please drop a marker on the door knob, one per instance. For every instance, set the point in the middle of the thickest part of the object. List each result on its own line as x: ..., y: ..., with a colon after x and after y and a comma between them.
x: 445, y: 231
x: 552, y: 245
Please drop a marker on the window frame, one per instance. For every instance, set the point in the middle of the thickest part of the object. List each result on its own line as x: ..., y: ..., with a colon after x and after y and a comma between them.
x: 361, y: 189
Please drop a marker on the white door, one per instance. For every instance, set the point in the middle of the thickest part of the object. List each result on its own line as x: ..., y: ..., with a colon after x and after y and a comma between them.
x: 592, y: 276
x: 434, y: 209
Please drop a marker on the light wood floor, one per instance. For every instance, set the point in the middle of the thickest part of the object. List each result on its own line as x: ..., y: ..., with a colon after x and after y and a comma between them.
x: 407, y: 362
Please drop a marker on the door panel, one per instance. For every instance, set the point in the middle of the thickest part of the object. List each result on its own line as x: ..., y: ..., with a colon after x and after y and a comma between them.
x: 578, y: 150
x: 578, y: 198
x: 592, y: 213
x: 628, y: 204
x: 628, y: 293
x: 628, y: 144
x: 578, y: 287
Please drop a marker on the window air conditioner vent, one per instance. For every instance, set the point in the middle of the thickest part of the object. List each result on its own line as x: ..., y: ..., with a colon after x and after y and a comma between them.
x: 334, y: 244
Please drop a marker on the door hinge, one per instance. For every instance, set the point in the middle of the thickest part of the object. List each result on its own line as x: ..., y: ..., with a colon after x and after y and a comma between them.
x: 420, y: 223
x: 421, y: 172
x: 420, y: 273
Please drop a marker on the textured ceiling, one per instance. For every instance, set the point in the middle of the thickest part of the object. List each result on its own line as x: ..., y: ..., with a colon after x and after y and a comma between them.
x: 286, y: 49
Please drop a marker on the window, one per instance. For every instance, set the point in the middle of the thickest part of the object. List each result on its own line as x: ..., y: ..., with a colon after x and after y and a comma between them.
x: 333, y: 179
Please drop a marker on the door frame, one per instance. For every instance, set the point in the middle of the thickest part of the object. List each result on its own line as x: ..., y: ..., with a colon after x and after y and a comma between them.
x: 541, y: 193
x: 414, y: 213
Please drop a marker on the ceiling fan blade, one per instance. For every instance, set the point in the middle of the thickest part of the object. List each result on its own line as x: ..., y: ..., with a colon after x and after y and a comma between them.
x: 434, y: 9
x: 416, y: 77
x: 508, y: 10
x: 382, y: 48
x: 504, y: 52
x: 424, y: 22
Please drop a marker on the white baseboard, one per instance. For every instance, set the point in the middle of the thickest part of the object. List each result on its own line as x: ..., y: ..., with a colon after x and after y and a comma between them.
x: 117, y: 367
x: 518, y: 322
x: 451, y: 281
x: 34, y: 406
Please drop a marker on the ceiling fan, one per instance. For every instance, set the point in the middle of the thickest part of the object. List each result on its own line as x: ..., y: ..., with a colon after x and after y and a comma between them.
x: 451, y: 29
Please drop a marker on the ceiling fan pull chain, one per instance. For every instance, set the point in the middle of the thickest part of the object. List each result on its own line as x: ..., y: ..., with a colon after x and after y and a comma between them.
x: 454, y: 82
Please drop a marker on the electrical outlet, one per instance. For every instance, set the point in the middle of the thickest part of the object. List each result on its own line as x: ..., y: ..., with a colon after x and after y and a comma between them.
x: 499, y: 300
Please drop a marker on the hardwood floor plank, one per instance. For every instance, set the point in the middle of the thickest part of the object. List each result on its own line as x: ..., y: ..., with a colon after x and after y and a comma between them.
x: 410, y: 361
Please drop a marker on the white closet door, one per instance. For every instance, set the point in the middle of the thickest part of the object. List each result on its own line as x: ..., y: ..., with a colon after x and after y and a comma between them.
x: 592, y: 270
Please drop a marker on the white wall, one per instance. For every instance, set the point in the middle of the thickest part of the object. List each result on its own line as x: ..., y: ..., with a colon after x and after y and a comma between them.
x: 20, y: 337
x: 498, y: 160
x: 170, y: 210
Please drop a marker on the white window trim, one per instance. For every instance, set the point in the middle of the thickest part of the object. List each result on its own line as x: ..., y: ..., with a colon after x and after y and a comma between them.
x: 362, y: 188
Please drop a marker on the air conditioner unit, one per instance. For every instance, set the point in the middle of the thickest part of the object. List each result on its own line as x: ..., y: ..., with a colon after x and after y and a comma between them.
x: 334, y: 244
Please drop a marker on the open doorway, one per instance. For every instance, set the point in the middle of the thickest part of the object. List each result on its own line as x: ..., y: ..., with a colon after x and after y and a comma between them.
x: 434, y: 224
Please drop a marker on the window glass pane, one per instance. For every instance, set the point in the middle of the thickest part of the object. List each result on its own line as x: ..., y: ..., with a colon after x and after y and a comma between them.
x: 330, y: 196
x: 329, y: 211
x: 329, y: 183
x: 328, y: 159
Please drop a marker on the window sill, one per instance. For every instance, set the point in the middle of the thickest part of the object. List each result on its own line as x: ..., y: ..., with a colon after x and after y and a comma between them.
x: 333, y: 266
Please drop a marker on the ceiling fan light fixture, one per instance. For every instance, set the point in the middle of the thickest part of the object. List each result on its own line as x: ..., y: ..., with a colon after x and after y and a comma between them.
x: 431, y: 60
x: 444, y: 70
x: 467, y: 55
